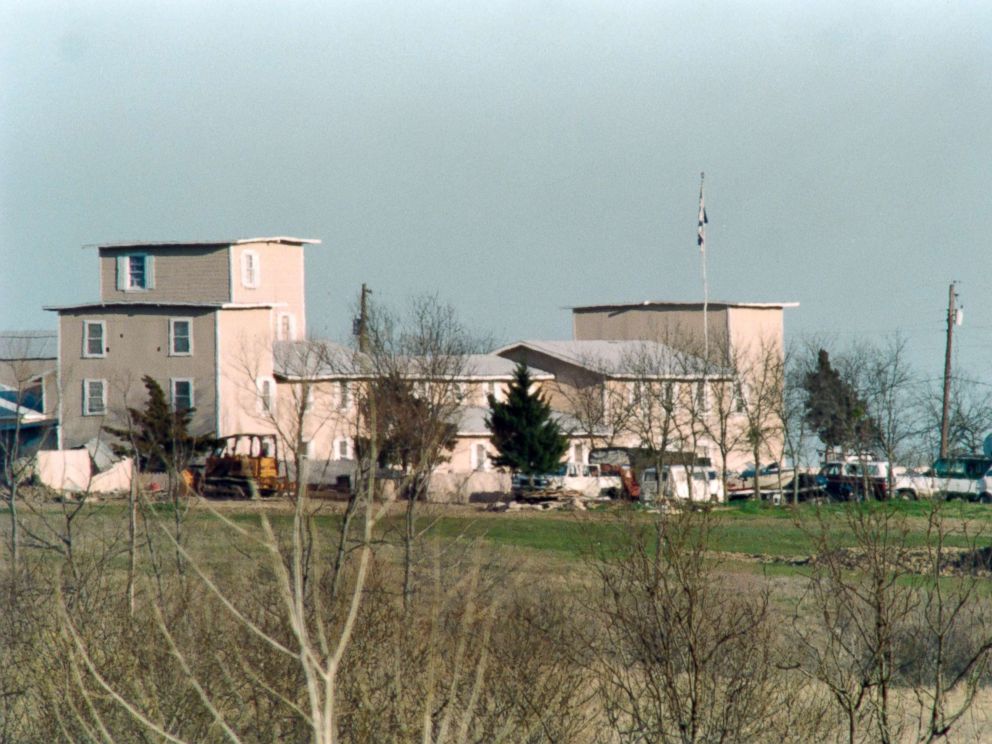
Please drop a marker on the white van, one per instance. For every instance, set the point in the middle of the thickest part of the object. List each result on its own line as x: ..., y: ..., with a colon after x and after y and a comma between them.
x: 700, y: 484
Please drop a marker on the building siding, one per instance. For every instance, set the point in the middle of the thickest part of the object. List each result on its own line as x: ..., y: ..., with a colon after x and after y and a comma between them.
x: 280, y: 280
x: 679, y: 328
x: 137, y: 344
x: 182, y: 274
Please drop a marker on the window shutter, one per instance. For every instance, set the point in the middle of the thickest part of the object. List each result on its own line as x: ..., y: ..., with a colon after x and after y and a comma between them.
x: 122, y: 272
x: 149, y: 272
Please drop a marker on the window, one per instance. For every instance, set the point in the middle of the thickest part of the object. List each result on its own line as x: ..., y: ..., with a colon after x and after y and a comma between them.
x: 180, y: 336
x: 94, y: 397
x: 480, y: 459
x: 578, y: 453
x: 740, y: 402
x: 135, y: 272
x: 344, y: 395
x: 266, y: 395
x: 702, y: 396
x: 306, y: 396
x: 182, y: 394
x: 494, y: 390
x: 94, y: 333
x: 342, y: 449
x: 249, y: 269
x: 287, y: 327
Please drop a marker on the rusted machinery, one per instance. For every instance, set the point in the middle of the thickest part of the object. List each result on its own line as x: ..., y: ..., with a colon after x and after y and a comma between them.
x: 245, y: 466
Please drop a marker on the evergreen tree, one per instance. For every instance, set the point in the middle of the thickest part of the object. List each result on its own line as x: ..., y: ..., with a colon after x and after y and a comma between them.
x: 528, y: 439
x: 158, y: 435
x: 834, y: 410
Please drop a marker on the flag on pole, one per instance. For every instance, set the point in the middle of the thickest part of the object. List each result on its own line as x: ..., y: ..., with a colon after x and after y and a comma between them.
x: 701, y: 233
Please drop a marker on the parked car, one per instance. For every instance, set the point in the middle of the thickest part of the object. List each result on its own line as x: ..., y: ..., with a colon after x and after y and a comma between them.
x: 962, y: 476
x: 854, y: 479
x: 524, y: 485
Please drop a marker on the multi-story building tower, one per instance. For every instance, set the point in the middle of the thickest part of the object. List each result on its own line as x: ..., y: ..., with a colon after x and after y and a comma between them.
x: 198, y: 317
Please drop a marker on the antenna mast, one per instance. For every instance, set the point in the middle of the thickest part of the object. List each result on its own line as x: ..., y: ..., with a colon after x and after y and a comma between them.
x: 952, y: 319
x: 701, y: 241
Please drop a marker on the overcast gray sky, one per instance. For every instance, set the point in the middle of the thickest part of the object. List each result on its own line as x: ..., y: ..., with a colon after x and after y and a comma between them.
x: 516, y: 157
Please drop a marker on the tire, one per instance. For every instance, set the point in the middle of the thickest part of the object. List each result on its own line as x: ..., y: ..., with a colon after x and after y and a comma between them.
x: 985, y: 498
x: 906, y: 494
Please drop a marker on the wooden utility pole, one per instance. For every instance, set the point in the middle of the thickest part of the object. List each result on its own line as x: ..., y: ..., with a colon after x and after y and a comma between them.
x: 952, y: 314
x: 363, y: 319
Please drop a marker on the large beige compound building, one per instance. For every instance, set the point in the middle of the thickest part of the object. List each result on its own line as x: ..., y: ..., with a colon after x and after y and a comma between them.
x: 222, y: 327
x: 193, y: 316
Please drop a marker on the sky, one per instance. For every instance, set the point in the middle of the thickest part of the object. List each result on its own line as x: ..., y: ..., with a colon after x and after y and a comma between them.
x: 517, y: 158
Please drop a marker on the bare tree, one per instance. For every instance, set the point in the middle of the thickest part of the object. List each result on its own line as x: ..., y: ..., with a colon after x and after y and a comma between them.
x: 684, y: 656
x: 970, y: 416
x: 418, y: 365
x: 879, y: 618
x: 761, y: 376
x: 602, y: 400
x: 23, y: 379
x: 796, y: 434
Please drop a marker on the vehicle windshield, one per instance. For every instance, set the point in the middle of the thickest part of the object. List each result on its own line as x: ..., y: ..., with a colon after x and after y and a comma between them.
x: 960, y: 467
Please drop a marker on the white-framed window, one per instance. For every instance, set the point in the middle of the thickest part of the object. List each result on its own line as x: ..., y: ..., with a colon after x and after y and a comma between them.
x: 306, y: 395
x: 578, y: 453
x: 344, y: 395
x: 632, y: 392
x: 308, y: 448
x: 250, y: 269
x: 94, y: 397
x: 343, y: 449
x: 494, y: 389
x: 286, y: 329
x: 94, y: 338
x: 180, y: 337
x: 671, y: 393
x: 702, y: 396
x: 480, y: 457
x: 740, y: 401
x: 182, y: 393
x: 266, y: 395
x: 135, y: 272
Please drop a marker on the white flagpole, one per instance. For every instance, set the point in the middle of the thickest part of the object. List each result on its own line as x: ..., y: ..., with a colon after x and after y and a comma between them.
x: 701, y: 240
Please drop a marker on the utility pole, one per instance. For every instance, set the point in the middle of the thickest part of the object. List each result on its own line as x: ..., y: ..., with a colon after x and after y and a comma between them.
x: 361, y: 322
x: 952, y: 319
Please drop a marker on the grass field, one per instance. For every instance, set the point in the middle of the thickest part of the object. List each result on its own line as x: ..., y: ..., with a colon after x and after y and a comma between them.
x: 527, y: 568
x: 747, y: 528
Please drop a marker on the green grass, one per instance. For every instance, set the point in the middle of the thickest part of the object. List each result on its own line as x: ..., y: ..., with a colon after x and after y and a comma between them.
x: 749, y: 528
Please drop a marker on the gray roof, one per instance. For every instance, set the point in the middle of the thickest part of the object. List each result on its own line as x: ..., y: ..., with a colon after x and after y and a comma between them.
x: 472, y: 422
x: 323, y: 360
x: 28, y: 345
x: 328, y: 360
x: 117, y: 304
x: 712, y: 304
x: 200, y: 243
x: 618, y: 359
x: 495, y: 367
